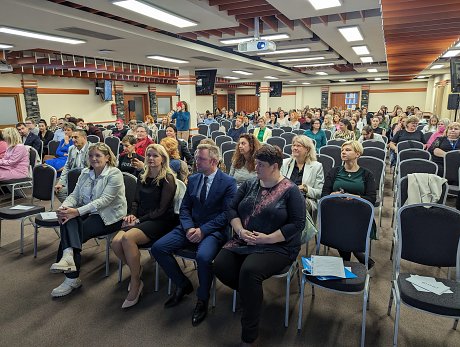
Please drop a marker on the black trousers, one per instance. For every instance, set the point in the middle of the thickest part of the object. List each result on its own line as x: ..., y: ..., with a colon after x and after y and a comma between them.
x: 79, y: 230
x: 245, y: 273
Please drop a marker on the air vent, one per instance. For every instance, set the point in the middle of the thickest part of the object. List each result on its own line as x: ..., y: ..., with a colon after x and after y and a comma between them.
x: 90, y: 33
x: 205, y: 58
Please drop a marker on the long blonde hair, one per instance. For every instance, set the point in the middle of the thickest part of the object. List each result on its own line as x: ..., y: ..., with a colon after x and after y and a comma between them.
x: 164, y: 170
x: 11, y: 136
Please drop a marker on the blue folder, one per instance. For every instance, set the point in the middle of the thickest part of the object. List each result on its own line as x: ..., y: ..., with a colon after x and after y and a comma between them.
x: 306, y: 262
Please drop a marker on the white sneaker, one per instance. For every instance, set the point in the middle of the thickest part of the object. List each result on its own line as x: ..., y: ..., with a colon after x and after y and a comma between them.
x: 66, y: 264
x: 66, y: 287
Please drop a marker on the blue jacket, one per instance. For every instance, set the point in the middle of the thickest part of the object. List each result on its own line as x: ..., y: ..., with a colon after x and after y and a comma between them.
x: 182, y: 120
x: 212, y: 216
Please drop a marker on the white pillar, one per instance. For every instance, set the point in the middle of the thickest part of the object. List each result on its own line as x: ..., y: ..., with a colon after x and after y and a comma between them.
x: 299, y: 98
x: 264, y: 95
x: 187, y: 82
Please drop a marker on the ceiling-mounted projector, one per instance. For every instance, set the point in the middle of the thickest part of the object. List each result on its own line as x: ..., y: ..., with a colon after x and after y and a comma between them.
x: 5, y: 67
x: 256, y: 46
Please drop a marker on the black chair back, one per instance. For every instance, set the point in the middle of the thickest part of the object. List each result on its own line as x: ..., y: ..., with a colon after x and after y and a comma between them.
x: 427, y: 136
x: 408, y: 144
x: 374, y: 144
x: 414, y: 153
x: 352, y: 236
x: 221, y: 139
x: 374, y: 165
x: 335, y: 142
x: 298, y: 131
x: 130, y: 189
x: 44, y: 180
x: 277, y: 141
x: 227, y: 157
x: 374, y: 152
x: 33, y: 155
x: 52, y: 147
x: 114, y: 144
x: 72, y: 179
x: 328, y: 134
x: 203, y: 129
x: 251, y: 131
x: 161, y: 135
x: 428, y: 236
x: 226, y: 124
x: 277, y: 132
x: 416, y: 166
x: 403, y: 195
x: 216, y: 133
x: 333, y: 152
x: 213, y: 127
x: 93, y: 138
x: 288, y: 149
x: 326, y: 161
x: 196, y: 141
x: 288, y: 136
x: 286, y: 129
x: 227, y: 146
x: 451, y: 166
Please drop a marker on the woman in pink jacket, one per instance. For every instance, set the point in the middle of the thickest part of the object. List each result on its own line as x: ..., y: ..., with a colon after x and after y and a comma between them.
x: 15, y: 163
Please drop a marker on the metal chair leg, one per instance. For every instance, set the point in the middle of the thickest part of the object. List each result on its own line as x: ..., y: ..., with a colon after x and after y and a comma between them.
x: 455, y: 324
x: 22, y: 237
x: 214, y: 285
x: 120, y: 270
x: 234, y: 301
x: 299, y: 320
x: 363, y: 323
x: 35, y: 240
x: 390, y: 303
x: 157, y: 276
x: 107, y: 256
x: 395, y: 333
x: 169, y: 286
x: 286, y: 308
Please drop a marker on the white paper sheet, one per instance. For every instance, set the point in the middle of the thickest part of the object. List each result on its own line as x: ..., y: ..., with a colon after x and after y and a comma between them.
x: 48, y: 215
x: 327, y: 266
x: 21, y: 207
x: 428, y: 284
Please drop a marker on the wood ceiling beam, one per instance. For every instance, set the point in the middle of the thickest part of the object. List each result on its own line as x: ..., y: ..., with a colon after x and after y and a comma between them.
x: 242, y: 4
x: 191, y: 36
x: 202, y: 33
x: 221, y: 2
x: 249, y: 23
x: 242, y: 28
x: 257, y: 14
x: 228, y: 31
x: 251, y: 10
x: 324, y: 19
x: 271, y: 22
x: 343, y: 17
x: 285, y: 20
x: 306, y: 22
x: 213, y: 32
x: 419, y: 4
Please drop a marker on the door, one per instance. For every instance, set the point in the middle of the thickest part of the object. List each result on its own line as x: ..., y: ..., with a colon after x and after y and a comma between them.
x: 164, y: 104
x: 338, y: 100
x: 345, y: 100
x: 140, y: 106
x: 247, y: 103
x: 222, y: 101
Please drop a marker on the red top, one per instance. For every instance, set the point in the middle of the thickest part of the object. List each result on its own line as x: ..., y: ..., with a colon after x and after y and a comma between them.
x: 142, y: 145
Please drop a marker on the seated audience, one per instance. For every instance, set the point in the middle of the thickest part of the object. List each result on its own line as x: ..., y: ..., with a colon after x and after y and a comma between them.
x: 132, y: 127
x: 247, y: 123
x: 262, y: 133
x: 267, y: 215
x: 203, y: 227
x: 77, y: 158
x: 143, y: 139
x: 243, y: 161
x: 306, y: 121
x: 410, y: 132
x: 317, y: 134
x: 59, y: 132
x: 444, y: 144
x: 282, y: 119
x: 345, y: 131
x: 367, y: 133
x: 272, y: 121
x: 151, y: 218
x: 91, y: 129
x: 96, y: 207
x: 209, y: 119
x: 32, y: 125
x: 375, y: 123
x: 44, y: 135
x: 119, y: 130
x: 184, y: 152
x: 440, y: 131
x: 149, y: 121
x: 15, y: 162
x: 53, y: 124
x: 305, y: 171
x: 165, y: 121
x: 294, y: 120
x: 29, y: 138
x: 238, y: 129
x: 432, y: 125
x: 350, y: 178
x: 3, y: 145
x: 129, y: 161
x: 354, y: 128
x: 328, y: 124
x: 178, y: 166
x: 62, y: 151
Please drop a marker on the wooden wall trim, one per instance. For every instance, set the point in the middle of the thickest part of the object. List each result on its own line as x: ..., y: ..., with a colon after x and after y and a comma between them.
x: 62, y: 91
x: 398, y: 90
x: 11, y: 90
x: 166, y: 94
x: 288, y: 93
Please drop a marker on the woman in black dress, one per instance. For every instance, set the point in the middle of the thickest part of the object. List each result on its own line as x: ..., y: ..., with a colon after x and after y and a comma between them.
x: 152, y: 216
x: 267, y: 215
x: 45, y: 135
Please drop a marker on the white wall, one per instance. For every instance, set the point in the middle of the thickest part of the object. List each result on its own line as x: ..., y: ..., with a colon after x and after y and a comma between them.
x: 403, y: 99
x: 311, y: 96
x: 204, y: 103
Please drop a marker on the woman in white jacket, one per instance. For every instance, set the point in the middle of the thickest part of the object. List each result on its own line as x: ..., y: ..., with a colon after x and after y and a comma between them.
x: 305, y: 171
x: 96, y: 207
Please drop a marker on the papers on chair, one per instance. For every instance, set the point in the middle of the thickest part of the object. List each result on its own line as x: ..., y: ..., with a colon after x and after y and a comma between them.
x: 21, y: 207
x: 327, y: 266
x: 428, y: 284
x: 307, y: 270
x: 48, y: 215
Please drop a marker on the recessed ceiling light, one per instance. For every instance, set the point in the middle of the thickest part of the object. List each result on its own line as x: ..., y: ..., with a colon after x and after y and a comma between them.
x: 342, y: 80
x: 241, y: 72
x: 421, y: 77
x: 367, y: 59
x: 351, y: 33
x: 156, y: 13
x: 372, y: 70
x: 377, y: 79
x: 361, y: 50
x: 35, y: 35
x: 322, y: 4
x: 246, y: 39
x: 169, y: 60
x: 286, y: 51
x: 271, y: 78
x: 315, y: 65
x: 437, y: 66
x: 5, y: 46
x: 306, y: 83
x: 321, y: 73
x: 292, y: 81
x: 231, y: 77
x: 452, y: 53
x: 299, y: 59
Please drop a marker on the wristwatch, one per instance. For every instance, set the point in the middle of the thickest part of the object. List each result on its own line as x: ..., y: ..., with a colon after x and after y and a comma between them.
x: 137, y: 221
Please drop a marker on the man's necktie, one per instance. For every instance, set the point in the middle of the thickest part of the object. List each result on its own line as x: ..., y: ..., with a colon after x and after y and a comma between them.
x: 203, y: 190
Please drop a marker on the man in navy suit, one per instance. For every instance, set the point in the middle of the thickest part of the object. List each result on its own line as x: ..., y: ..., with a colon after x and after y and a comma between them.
x: 29, y: 138
x: 203, y: 223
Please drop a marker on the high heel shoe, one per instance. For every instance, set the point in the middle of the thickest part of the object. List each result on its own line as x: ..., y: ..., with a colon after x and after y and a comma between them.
x: 140, y: 276
x: 130, y: 303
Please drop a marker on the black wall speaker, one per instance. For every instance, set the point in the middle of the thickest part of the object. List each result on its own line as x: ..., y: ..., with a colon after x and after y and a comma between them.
x: 131, y: 106
x: 452, y: 102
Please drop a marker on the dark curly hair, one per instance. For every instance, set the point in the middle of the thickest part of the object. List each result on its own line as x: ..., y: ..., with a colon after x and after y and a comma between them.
x: 238, y: 160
